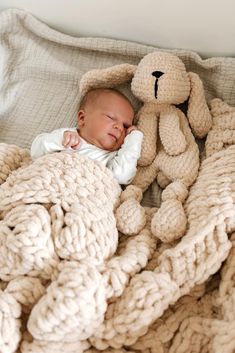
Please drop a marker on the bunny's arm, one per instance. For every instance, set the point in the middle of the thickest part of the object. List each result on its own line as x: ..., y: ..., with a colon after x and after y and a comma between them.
x: 171, y: 135
x: 147, y: 123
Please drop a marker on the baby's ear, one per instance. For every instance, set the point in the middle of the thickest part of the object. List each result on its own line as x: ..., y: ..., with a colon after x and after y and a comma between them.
x: 81, y: 118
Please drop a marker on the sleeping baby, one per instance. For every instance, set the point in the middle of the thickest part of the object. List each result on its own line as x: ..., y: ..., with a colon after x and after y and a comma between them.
x: 105, y: 133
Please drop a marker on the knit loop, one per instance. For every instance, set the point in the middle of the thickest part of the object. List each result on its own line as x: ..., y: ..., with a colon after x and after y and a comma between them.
x: 26, y: 244
x: 11, y: 158
x: 10, y: 334
x: 26, y: 291
x: 73, y: 306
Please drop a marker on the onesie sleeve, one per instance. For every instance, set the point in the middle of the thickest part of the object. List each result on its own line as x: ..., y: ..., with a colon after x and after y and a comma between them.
x: 124, y: 163
x: 48, y: 143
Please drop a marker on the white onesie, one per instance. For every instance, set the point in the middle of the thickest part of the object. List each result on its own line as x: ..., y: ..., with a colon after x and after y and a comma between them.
x: 122, y: 163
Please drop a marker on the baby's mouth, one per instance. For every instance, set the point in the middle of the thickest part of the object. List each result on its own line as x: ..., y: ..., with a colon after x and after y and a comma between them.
x: 114, y: 137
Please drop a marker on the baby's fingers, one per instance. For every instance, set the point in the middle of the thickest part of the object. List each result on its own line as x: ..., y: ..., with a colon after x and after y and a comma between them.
x: 66, y: 139
x: 130, y: 129
x: 71, y: 139
x: 74, y: 140
x: 76, y: 146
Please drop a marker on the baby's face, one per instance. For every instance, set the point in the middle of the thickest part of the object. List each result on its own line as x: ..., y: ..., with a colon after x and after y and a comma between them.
x: 104, y: 122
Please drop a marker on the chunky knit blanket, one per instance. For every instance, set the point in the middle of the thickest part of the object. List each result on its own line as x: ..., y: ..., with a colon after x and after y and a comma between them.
x: 69, y: 282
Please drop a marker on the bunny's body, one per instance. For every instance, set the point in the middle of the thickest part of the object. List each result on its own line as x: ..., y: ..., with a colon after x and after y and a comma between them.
x: 169, y: 151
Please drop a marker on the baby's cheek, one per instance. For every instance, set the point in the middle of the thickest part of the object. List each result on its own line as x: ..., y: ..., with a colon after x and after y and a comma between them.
x: 121, y: 139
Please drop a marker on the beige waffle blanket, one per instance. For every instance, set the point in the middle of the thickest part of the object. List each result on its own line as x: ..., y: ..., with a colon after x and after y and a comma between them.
x: 40, y: 70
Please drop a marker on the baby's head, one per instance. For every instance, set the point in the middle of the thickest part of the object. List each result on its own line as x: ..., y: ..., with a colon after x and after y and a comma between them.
x: 104, y: 117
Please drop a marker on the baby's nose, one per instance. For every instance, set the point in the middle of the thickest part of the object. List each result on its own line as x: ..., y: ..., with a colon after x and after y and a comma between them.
x: 118, y: 126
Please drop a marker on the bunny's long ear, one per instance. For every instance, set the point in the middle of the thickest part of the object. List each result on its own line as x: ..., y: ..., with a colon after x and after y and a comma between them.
x: 198, y: 112
x: 108, y: 78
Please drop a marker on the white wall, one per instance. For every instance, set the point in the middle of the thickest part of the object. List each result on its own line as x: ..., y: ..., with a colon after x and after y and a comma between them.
x: 206, y: 26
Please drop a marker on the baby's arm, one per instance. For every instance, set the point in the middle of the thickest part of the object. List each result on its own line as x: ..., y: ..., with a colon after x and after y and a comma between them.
x: 50, y: 142
x: 124, y: 164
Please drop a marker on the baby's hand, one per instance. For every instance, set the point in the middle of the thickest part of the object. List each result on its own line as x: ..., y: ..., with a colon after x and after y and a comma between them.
x: 130, y: 129
x: 71, y: 139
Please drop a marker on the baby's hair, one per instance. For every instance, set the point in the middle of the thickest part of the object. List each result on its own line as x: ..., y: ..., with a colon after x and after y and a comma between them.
x: 92, y: 96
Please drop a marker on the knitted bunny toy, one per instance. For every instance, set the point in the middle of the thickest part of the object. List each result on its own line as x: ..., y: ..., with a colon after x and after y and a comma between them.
x: 169, y: 151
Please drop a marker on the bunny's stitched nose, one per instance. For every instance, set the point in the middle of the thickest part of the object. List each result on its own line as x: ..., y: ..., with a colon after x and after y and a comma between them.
x: 156, y: 74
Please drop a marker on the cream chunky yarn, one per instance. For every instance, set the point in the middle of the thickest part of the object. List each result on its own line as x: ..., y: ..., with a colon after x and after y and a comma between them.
x: 67, y: 285
x: 58, y: 233
x: 83, y: 301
